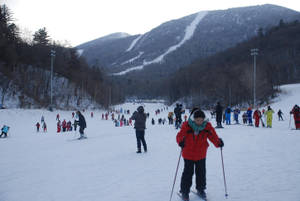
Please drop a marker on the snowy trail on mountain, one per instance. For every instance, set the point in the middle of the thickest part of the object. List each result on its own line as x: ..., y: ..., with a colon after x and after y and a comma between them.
x: 133, y: 43
x: 189, y: 32
x: 261, y: 164
x: 133, y: 59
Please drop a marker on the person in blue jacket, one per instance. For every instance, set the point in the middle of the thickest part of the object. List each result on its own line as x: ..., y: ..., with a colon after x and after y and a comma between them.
x: 4, y: 131
x: 249, y: 114
x: 236, y: 113
x: 228, y: 115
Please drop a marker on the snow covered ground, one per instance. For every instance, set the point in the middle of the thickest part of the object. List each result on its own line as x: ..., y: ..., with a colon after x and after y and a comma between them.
x: 261, y: 164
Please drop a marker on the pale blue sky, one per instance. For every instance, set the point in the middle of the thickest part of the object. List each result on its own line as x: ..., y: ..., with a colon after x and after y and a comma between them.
x: 78, y: 21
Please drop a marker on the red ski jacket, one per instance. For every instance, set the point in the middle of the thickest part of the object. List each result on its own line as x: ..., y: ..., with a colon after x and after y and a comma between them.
x: 195, y: 146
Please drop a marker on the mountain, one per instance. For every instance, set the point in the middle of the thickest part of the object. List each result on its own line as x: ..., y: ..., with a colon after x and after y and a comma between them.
x: 177, y: 43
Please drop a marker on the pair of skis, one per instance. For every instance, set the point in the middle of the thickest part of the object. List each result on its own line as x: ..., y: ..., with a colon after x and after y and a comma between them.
x: 199, y: 196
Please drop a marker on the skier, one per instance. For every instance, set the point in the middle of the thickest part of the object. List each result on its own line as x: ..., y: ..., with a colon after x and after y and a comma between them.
x: 4, y: 131
x: 249, y: 115
x: 236, y: 113
x: 263, y: 117
x: 82, y: 124
x: 45, y: 127
x: 257, y: 116
x: 296, y: 112
x: 269, y: 114
x: 58, y: 126
x: 57, y: 117
x: 280, y: 113
x: 178, y: 111
x: 64, y: 125
x: 73, y: 115
x: 170, y: 117
x: 192, y: 138
x: 37, y: 127
x: 140, y: 125
x: 219, y: 111
x: 228, y: 115
x: 152, y: 122
x: 42, y: 119
x: 245, y: 118
x: 75, y: 125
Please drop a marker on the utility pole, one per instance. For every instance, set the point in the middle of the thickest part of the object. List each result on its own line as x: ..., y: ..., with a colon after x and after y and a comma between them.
x: 254, y: 53
x: 52, y: 61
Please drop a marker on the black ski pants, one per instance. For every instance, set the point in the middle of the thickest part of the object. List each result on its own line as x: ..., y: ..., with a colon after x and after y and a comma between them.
x: 189, y: 168
x: 219, y: 119
x: 140, y: 138
x: 3, y: 133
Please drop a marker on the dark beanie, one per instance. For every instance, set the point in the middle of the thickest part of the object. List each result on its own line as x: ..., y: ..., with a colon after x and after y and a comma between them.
x: 199, y: 113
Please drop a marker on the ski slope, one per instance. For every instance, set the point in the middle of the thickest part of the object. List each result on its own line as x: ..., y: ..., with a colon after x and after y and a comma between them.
x: 261, y: 164
x: 189, y: 32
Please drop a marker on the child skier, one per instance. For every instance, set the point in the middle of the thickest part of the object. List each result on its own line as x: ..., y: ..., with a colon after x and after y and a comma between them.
x: 192, y: 138
x: 249, y: 114
x: 58, y: 126
x: 236, y: 113
x: 280, y: 113
x: 4, y: 131
x: 257, y: 116
x: 296, y: 112
x: 37, y: 126
x: 44, y: 127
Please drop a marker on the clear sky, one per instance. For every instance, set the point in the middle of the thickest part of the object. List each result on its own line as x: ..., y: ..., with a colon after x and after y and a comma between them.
x: 78, y: 21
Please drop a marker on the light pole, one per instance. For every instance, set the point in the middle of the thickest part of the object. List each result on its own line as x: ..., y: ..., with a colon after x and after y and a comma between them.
x: 254, y: 53
x: 52, y: 60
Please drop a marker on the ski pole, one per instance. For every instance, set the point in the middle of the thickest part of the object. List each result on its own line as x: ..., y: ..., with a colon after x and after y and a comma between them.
x: 175, y: 175
x: 226, y: 194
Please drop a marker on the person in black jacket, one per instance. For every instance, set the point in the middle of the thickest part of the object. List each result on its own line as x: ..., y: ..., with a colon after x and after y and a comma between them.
x: 140, y: 125
x: 178, y: 111
x: 81, y: 124
x: 219, y: 112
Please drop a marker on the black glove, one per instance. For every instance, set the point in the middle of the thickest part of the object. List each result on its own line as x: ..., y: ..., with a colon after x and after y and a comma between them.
x: 181, y: 144
x: 221, y: 144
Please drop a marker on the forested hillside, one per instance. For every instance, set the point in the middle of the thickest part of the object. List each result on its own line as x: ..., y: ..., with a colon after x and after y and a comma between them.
x: 25, y: 71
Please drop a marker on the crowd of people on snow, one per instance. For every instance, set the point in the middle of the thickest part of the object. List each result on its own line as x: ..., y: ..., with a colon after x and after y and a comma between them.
x: 263, y: 117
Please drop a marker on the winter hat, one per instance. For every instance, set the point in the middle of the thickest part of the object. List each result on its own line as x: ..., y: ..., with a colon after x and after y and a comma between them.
x: 199, y: 114
x: 140, y: 109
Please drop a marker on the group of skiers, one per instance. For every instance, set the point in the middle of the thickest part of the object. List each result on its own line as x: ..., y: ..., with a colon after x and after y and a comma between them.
x: 122, y: 122
x: 263, y: 117
x: 43, y: 123
x: 79, y: 120
x: 66, y: 126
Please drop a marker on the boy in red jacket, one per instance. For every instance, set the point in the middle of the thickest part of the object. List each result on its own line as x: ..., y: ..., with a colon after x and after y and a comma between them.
x: 192, y: 138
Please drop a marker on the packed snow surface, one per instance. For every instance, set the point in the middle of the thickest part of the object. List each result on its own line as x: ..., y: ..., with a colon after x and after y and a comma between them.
x: 261, y: 164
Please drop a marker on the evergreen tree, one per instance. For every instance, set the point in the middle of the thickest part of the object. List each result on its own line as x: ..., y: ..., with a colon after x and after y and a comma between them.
x: 41, y: 37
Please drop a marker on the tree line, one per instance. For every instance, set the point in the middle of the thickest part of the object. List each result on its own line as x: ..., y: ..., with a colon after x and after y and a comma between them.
x: 27, y: 64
